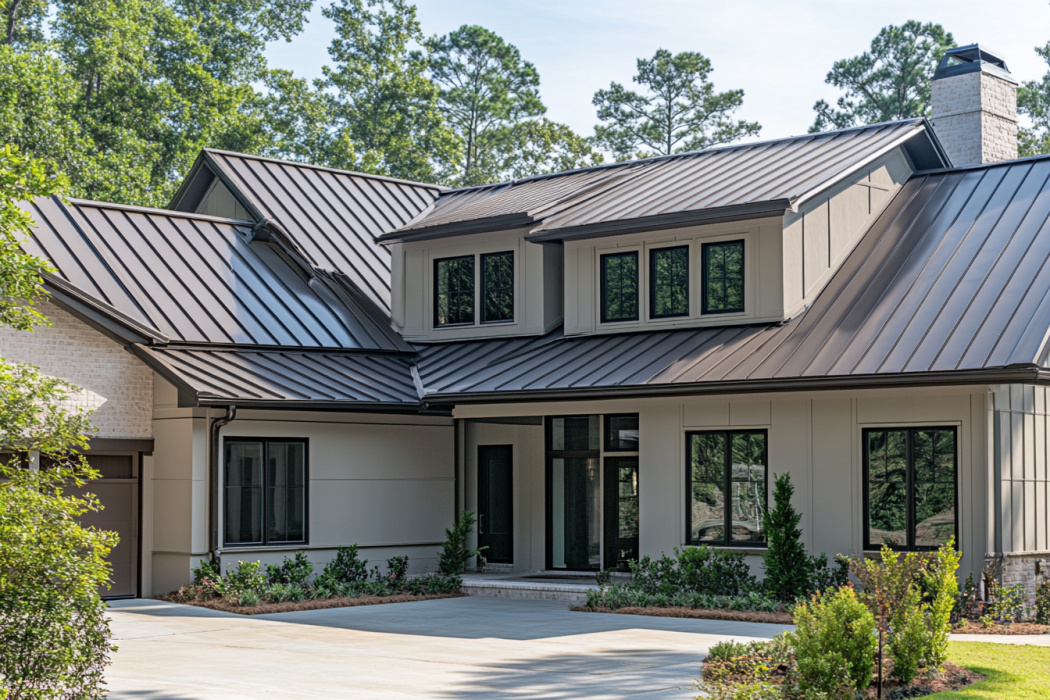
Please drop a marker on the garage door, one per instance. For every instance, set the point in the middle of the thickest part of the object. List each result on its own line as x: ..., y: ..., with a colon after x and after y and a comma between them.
x: 118, y: 491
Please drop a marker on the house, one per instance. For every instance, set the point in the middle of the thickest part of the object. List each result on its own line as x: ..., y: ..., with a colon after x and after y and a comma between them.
x: 604, y: 364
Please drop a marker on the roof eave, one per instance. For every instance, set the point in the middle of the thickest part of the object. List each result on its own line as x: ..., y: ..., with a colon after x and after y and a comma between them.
x: 493, y: 223
x: 998, y: 375
x: 776, y: 207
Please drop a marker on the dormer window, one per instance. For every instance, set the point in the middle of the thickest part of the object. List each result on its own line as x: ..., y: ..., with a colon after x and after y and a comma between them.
x: 669, y: 282
x: 454, y: 291
x: 723, y: 277
x: 456, y: 280
x: 497, y: 287
x: 619, y: 287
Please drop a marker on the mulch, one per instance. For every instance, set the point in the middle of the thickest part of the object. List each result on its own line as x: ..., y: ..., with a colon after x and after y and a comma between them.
x: 971, y: 627
x: 319, y: 604
x: 780, y: 618
x: 953, y: 677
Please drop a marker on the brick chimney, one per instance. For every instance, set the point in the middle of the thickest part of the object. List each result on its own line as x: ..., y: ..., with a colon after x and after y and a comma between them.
x: 974, y: 106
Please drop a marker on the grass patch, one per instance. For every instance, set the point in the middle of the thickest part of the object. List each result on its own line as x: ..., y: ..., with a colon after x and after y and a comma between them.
x: 1020, y: 672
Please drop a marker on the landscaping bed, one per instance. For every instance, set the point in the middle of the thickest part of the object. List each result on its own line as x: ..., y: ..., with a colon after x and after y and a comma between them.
x: 317, y: 604
x: 971, y: 627
x: 778, y: 618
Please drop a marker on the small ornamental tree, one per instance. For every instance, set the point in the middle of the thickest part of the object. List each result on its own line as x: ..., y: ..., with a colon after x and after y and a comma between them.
x: 785, y: 562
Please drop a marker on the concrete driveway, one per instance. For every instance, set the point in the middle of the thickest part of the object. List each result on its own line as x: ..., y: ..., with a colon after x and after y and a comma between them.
x: 456, y: 648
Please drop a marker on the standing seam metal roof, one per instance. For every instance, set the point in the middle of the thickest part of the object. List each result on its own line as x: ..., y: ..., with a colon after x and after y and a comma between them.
x: 334, y: 216
x: 954, y: 277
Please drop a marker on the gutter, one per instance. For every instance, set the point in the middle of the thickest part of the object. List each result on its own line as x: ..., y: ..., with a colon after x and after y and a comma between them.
x: 1020, y: 374
x: 213, y: 477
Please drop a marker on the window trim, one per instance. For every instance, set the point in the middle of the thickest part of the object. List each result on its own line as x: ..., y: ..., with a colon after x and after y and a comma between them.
x: 909, y: 526
x: 727, y: 476
x: 483, y: 289
x: 653, y: 252
x: 705, y: 309
x: 265, y: 495
x: 602, y: 315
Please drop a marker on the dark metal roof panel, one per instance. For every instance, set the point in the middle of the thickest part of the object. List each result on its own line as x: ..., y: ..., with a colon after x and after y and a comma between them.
x: 246, y: 376
x: 954, y: 277
x: 197, y: 279
x: 730, y: 178
x: 334, y: 216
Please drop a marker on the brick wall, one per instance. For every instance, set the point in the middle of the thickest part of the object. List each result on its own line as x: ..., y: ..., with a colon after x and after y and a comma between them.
x: 115, y: 382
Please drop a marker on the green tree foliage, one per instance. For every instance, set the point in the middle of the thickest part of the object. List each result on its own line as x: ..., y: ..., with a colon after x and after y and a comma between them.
x: 787, y: 575
x: 381, y: 98
x: 834, y: 644
x: 53, y: 630
x: 679, y: 109
x: 889, y: 81
x: 1033, y: 101
x: 490, y: 98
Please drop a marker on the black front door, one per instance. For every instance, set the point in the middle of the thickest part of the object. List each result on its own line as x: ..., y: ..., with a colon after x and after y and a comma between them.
x: 496, y: 503
x: 621, y: 512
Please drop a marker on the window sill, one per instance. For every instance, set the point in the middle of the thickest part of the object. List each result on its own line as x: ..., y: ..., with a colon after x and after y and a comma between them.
x: 746, y: 549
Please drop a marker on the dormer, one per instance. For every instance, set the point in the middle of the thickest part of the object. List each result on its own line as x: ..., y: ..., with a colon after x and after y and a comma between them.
x: 727, y: 236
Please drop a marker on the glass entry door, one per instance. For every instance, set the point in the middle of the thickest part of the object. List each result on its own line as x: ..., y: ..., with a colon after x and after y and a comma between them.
x: 592, y: 492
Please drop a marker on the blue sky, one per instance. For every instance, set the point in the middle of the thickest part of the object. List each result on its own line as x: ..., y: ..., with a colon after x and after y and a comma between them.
x: 777, y: 52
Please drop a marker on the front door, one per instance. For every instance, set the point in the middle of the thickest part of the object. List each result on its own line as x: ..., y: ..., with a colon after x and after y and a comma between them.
x: 496, y: 503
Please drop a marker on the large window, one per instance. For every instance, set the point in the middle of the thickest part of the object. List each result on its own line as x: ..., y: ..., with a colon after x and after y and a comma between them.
x: 497, y: 287
x: 910, y: 498
x: 723, y: 277
x: 726, y: 487
x: 619, y: 287
x: 454, y: 291
x: 669, y: 282
x: 265, y: 488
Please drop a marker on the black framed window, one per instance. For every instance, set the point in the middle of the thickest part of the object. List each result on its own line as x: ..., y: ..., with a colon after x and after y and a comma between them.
x: 454, y: 291
x: 497, y: 287
x: 723, y: 277
x: 726, y: 487
x: 669, y: 282
x: 910, y: 495
x: 265, y: 491
x: 621, y: 432
x: 619, y: 287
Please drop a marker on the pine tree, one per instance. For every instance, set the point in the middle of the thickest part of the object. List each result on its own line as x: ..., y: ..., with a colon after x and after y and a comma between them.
x: 785, y: 562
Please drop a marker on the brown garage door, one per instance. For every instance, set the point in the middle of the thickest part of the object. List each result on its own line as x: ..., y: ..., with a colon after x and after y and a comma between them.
x: 118, y: 491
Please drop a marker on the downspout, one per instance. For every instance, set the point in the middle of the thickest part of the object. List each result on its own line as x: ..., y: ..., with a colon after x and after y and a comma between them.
x: 213, y: 471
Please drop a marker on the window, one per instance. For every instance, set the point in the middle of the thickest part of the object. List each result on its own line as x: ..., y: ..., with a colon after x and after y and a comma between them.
x: 621, y: 433
x: 265, y: 491
x: 497, y: 285
x: 909, y: 502
x: 723, y: 277
x: 726, y: 487
x: 620, y: 287
x: 454, y: 291
x: 669, y: 282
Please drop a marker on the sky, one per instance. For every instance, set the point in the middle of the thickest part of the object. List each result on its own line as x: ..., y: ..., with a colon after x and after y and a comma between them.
x: 779, y: 53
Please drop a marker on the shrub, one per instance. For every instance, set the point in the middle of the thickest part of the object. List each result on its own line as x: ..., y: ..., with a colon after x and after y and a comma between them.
x: 1042, y: 603
x: 694, y: 570
x: 54, y: 636
x: 246, y: 577
x: 291, y: 571
x: 346, y: 567
x: 432, y: 584
x: 822, y: 577
x: 1008, y: 604
x: 454, y: 553
x: 207, y: 571
x: 907, y: 640
x: 249, y: 599
x: 397, y: 569
x: 785, y: 579
x: 834, y: 643
x: 942, y: 587
x: 278, y: 592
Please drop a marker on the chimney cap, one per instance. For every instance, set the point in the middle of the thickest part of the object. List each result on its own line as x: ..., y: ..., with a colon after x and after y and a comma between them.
x: 972, y: 58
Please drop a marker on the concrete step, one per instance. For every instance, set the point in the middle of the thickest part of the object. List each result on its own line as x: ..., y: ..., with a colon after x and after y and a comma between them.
x: 527, y: 587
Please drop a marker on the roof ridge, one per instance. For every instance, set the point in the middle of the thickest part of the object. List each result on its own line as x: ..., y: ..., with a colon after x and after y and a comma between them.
x: 685, y: 154
x: 326, y: 168
x: 982, y: 166
x: 98, y: 204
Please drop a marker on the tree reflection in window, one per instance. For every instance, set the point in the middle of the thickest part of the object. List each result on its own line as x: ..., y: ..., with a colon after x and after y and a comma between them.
x: 721, y: 463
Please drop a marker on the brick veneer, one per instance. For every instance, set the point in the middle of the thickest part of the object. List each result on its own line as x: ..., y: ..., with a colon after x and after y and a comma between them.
x: 114, y: 380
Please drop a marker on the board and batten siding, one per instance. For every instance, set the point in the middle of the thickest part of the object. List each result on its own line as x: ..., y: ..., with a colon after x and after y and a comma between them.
x: 822, y: 233
x: 814, y: 436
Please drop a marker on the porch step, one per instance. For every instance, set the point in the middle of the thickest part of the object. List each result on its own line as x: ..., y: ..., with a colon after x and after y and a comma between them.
x: 527, y: 587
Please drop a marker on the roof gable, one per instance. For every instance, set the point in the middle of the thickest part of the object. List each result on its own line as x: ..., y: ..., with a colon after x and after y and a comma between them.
x: 332, y: 216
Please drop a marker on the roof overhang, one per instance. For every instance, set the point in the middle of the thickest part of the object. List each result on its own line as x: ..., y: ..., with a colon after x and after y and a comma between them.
x: 486, y: 225
x: 1029, y: 374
